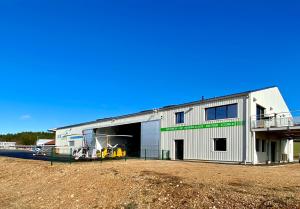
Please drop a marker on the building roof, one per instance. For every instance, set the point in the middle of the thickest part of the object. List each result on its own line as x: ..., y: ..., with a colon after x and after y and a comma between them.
x: 45, y: 142
x: 167, y: 108
x: 52, y: 142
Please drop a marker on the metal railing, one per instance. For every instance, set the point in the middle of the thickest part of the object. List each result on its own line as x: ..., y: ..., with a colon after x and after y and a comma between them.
x: 276, y: 120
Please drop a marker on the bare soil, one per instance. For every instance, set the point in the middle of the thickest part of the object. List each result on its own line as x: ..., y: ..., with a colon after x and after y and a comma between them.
x: 146, y: 184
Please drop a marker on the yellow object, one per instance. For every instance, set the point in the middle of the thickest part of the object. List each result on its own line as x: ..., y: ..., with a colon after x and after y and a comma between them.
x: 114, y: 154
x: 104, y: 153
x: 119, y: 152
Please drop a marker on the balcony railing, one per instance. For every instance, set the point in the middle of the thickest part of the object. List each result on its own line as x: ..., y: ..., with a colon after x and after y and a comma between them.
x: 276, y: 120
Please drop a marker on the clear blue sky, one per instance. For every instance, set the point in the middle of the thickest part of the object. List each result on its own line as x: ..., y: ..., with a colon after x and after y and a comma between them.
x: 64, y: 62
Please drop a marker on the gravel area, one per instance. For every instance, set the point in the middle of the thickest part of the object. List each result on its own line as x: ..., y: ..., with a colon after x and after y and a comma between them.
x: 146, y: 184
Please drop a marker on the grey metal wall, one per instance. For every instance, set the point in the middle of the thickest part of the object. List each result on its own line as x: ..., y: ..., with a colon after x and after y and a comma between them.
x: 198, y: 143
x: 150, y: 139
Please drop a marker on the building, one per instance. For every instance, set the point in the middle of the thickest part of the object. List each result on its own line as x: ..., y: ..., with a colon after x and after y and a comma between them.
x: 250, y: 127
x: 45, y: 142
x: 7, y: 145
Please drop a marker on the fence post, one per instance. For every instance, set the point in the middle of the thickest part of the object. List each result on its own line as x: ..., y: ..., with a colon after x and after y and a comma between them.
x: 51, y: 157
x: 70, y: 156
x: 145, y: 154
x: 162, y: 154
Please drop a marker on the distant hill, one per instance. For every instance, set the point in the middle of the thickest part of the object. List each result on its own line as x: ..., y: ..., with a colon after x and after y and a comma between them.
x: 26, y: 138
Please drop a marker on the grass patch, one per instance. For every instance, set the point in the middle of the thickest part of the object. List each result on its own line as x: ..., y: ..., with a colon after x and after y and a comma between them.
x: 296, y: 149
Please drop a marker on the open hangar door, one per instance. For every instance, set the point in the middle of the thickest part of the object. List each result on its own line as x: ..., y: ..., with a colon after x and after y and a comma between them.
x: 145, y: 138
x: 131, y: 144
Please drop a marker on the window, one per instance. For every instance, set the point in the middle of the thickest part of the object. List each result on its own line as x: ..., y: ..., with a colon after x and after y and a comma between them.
x: 232, y: 111
x: 257, y: 145
x: 263, y: 145
x: 260, y: 112
x: 210, y: 113
x: 221, y: 112
x: 179, y: 117
x: 220, y: 144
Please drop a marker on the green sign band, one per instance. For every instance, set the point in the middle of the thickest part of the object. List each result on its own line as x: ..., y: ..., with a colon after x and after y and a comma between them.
x: 202, y: 126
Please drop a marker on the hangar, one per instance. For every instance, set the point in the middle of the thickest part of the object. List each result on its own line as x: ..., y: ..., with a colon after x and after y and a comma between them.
x: 251, y: 127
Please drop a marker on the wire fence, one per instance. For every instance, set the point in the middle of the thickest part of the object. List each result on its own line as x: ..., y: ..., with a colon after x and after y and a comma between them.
x: 70, y: 155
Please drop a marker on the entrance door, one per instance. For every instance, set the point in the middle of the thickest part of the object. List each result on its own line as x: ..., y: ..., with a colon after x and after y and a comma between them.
x: 179, y: 149
x: 273, y: 151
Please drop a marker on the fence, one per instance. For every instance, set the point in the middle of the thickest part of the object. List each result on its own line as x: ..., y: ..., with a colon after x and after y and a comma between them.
x: 72, y: 154
x: 67, y: 154
x: 155, y: 154
x: 60, y: 154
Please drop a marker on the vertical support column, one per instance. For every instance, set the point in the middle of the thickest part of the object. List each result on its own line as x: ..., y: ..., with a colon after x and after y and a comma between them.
x: 254, y: 157
x: 280, y: 152
x: 268, y: 149
x: 291, y: 150
x: 246, y: 128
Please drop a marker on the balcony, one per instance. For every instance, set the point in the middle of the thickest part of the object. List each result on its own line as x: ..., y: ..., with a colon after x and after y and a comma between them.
x: 276, y: 120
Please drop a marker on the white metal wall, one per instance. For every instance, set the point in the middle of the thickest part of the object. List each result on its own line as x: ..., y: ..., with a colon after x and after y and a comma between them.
x: 272, y: 100
x: 198, y: 143
x: 61, y: 139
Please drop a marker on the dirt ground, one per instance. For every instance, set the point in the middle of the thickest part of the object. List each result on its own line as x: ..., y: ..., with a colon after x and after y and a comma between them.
x: 146, y: 184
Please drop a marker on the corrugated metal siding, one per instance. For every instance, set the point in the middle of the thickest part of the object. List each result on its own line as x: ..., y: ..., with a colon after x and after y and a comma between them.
x: 198, y: 143
x: 150, y: 139
x: 78, y: 129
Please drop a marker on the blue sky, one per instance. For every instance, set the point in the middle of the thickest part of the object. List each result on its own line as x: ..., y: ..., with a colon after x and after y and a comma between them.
x: 64, y: 62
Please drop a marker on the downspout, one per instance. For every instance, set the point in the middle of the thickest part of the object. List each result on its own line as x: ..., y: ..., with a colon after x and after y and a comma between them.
x: 253, y: 147
x: 246, y: 125
x: 251, y: 132
x: 249, y: 125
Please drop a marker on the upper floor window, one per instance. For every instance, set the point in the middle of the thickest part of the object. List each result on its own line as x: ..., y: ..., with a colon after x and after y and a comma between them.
x: 179, y: 117
x: 221, y: 112
x: 260, y: 112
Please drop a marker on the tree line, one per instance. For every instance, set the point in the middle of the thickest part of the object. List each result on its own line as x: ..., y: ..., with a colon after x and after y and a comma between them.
x: 26, y: 138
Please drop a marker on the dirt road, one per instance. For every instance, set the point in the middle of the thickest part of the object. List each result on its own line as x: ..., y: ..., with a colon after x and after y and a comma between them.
x: 146, y: 184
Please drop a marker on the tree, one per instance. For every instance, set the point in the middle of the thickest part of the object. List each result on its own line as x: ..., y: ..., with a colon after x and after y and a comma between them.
x: 26, y: 138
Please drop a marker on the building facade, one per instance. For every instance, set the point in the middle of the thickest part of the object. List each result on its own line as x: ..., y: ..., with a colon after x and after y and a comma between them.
x: 237, y: 128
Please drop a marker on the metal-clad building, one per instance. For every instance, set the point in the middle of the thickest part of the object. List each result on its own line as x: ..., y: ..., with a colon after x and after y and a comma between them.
x: 250, y: 127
